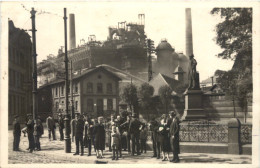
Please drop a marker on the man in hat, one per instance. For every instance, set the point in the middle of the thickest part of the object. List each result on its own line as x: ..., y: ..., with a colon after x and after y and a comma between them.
x: 16, y: 133
x: 154, y: 126
x: 61, y: 126
x: 30, y: 130
x: 134, y: 130
x: 88, y: 134
x: 125, y: 128
x: 174, y: 137
x: 79, y: 129
x: 51, y: 127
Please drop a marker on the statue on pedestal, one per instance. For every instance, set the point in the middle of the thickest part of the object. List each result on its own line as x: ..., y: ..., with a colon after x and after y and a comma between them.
x: 193, y: 75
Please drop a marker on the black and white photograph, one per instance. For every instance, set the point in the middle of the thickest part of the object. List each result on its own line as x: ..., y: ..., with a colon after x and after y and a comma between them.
x: 143, y: 83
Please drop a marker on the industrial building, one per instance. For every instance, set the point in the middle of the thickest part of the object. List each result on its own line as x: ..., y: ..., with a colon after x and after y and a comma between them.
x: 19, y: 73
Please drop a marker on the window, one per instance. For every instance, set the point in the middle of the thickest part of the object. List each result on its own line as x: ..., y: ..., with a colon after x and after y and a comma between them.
x: 76, y: 88
x: 62, y: 90
x: 90, y: 105
x: 89, y: 87
x: 57, y: 106
x: 99, y: 88
x: 76, y: 105
x: 109, y: 88
x: 56, y: 91
x: 109, y: 104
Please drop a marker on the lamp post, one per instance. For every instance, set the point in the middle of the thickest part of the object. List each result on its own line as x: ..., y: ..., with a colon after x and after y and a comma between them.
x: 34, y: 59
x: 67, y: 116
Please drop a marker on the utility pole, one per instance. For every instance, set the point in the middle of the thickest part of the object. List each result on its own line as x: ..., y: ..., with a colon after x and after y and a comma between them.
x: 71, y: 92
x: 67, y: 116
x: 34, y: 59
x: 150, y: 49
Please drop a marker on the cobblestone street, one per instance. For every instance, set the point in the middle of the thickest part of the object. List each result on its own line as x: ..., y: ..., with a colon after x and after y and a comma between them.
x: 53, y: 152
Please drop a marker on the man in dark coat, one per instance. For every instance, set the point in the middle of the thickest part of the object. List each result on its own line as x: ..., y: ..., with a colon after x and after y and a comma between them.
x: 79, y: 129
x: 154, y: 128
x: 125, y: 128
x: 174, y: 137
x: 51, y: 127
x: 61, y: 126
x: 30, y: 130
x: 88, y: 134
x: 16, y: 133
x: 37, y: 133
x: 134, y: 130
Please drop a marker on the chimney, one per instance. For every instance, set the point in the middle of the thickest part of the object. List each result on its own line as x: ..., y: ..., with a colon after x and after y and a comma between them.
x: 72, y: 35
x: 189, y: 44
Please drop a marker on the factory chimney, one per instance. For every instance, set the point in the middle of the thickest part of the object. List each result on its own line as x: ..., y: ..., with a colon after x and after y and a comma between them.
x: 189, y: 44
x: 72, y: 35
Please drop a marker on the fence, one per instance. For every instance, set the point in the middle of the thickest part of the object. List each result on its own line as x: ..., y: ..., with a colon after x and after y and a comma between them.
x: 246, y: 134
x: 203, y: 133
x: 210, y: 132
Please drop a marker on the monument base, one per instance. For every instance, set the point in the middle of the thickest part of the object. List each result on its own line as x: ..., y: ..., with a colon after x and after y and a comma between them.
x: 193, y: 105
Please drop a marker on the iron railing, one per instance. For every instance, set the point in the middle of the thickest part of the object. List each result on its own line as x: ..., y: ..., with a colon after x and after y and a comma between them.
x: 246, y: 134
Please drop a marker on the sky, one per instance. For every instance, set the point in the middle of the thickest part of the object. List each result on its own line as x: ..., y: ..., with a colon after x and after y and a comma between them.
x: 164, y: 20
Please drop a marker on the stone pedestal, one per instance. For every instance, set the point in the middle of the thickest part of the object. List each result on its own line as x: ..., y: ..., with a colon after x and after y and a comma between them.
x: 193, y: 105
x: 234, y: 144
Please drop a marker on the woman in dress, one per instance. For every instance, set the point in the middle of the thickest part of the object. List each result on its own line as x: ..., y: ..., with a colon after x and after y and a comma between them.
x: 99, y: 131
x: 164, y: 138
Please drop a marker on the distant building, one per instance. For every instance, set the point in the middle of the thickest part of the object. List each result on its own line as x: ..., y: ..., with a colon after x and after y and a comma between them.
x: 20, y: 73
x: 170, y: 63
x: 124, y: 49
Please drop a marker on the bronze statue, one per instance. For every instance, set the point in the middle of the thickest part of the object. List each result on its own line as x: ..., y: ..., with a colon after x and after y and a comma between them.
x: 192, y: 73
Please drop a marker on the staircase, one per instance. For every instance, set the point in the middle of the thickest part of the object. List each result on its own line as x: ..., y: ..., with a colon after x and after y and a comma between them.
x: 219, y: 108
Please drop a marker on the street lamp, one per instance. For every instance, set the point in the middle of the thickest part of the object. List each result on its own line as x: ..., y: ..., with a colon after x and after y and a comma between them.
x: 67, y: 116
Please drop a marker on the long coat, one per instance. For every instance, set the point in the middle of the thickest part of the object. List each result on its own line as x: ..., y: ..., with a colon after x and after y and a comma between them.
x: 100, y: 136
x: 50, y: 123
x: 174, y: 131
x: 79, y: 128
x: 17, y: 129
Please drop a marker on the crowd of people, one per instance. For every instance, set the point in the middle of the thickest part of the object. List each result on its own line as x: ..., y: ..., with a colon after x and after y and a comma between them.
x: 121, y: 133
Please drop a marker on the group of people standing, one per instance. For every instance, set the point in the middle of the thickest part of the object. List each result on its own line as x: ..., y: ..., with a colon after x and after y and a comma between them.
x: 120, y: 131
x: 125, y: 132
x: 165, y: 137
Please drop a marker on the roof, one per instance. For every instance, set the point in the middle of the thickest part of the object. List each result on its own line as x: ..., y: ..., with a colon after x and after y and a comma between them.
x: 162, y: 80
x: 86, y: 72
x: 164, y: 45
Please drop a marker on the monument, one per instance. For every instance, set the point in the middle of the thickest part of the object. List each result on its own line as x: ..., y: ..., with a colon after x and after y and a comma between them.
x: 193, y: 95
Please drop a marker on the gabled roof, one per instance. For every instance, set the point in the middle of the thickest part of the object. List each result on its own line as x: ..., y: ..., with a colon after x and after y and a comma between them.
x: 162, y: 80
x: 85, y: 73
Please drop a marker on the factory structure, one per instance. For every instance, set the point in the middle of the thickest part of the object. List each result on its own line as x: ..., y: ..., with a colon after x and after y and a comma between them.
x: 124, y: 49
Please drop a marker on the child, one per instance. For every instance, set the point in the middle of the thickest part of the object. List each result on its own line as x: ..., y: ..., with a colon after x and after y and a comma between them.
x: 115, y: 142
x: 143, y: 138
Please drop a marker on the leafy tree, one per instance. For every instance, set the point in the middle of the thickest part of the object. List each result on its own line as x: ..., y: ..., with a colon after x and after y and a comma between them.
x: 234, y: 36
x: 145, y: 93
x: 165, y: 94
x: 129, y: 95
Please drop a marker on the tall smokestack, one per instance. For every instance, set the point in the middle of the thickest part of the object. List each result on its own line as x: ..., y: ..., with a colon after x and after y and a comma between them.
x: 72, y: 35
x: 189, y: 44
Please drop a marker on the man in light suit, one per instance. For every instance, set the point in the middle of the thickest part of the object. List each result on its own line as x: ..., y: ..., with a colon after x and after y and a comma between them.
x: 174, y: 137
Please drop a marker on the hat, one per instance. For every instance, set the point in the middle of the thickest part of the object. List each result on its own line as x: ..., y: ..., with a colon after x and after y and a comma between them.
x: 173, y: 113
x: 15, y: 116
x: 29, y: 115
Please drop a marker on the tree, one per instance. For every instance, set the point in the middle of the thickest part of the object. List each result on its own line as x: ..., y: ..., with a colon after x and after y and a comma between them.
x: 234, y: 36
x: 165, y: 93
x: 129, y: 95
x: 145, y: 93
